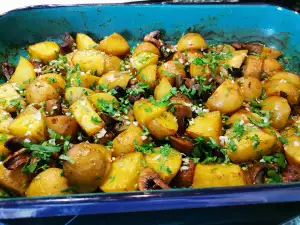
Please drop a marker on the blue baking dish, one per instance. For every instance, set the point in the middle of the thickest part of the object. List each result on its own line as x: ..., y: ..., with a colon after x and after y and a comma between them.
x: 275, y: 26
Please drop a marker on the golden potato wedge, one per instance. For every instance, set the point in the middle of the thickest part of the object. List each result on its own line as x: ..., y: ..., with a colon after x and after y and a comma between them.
x: 84, y: 42
x: 208, y: 125
x: 252, y: 145
x: 144, y: 111
x: 24, y: 73
x: 280, y: 110
x: 270, y: 53
x: 283, y: 89
x: 163, y: 126
x: 5, y: 120
x: 73, y: 94
x: 112, y: 63
x: 218, y: 175
x: 143, y: 59
x: 292, y: 150
x: 191, y: 41
x: 227, y: 98
x: 47, y: 183
x: 45, y: 92
x: 86, y: 116
x: 253, y: 67
x: 237, y: 59
x: 44, y: 50
x: 242, y: 115
x: 124, y: 173
x: 83, y: 80
x: 114, y: 78
x: 165, y: 161
x: 114, y: 44
x: 271, y: 65
x: 97, y: 98
x: 278, y: 147
x: 63, y: 125
x: 54, y: 79
x: 126, y: 141
x: 146, y: 47
x: 4, y: 152
x: 10, y: 100
x: 200, y: 70
x: 90, y: 60
x: 170, y: 70
x: 289, y: 77
x: 250, y: 88
x: 147, y: 75
x: 162, y: 89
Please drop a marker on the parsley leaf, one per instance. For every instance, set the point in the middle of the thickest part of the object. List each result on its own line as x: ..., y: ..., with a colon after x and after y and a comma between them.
x: 145, y: 148
x: 277, y: 158
x: 232, y: 146
x: 95, y: 119
x: 255, y: 141
x: 238, y: 129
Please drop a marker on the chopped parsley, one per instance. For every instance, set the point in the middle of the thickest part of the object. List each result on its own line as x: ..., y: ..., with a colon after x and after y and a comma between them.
x: 238, y: 129
x: 283, y: 140
x: 276, y: 158
x: 273, y: 177
x: 255, y: 141
x: 264, y: 121
x: 145, y: 148
x: 148, y: 109
x: 66, y: 158
x: 95, y: 119
x: 232, y: 146
x: 51, y: 80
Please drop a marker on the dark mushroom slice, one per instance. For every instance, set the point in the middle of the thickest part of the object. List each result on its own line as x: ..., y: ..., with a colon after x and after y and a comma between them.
x: 256, y: 173
x: 109, y: 136
x: 53, y: 107
x: 120, y: 92
x: 179, y: 81
x: 8, y: 70
x: 68, y: 44
x: 291, y: 174
x: 184, y: 177
x: 253, y: 47
x: 16, y: 160
x: 37, y: 65
x: 153, y: 37
x: 13, y: 144
x: 180, y: 99
x: 149, y: 178
x: 108, y: 119
x: 182, y: 145
x: 182, y: 112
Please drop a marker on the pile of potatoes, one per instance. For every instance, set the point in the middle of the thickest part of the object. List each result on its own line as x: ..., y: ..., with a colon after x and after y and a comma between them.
x: 34, y: 101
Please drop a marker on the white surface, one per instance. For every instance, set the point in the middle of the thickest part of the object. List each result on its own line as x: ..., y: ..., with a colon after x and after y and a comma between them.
x: 7, y: 5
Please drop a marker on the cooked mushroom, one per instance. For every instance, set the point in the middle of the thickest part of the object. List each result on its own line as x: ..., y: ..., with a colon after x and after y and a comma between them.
x: 291, y: 173
x: 184, y: 178
x: 68, y: 44
x: 182, y: 112
x: 148, y: 178
x: 256, y: 172
x: 8, y: 70
x: 53, y: 107
x: 13, y: 144
x: 120, y: 92
x: 183, y: 145
x: 251, y: 47
x: 16, y: 160
x: 152, y: 37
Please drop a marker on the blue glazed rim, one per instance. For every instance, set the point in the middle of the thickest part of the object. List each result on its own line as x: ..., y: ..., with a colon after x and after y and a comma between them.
x: 99, y: 203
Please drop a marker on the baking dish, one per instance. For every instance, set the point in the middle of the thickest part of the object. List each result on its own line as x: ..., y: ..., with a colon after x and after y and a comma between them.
x: 217, y: 23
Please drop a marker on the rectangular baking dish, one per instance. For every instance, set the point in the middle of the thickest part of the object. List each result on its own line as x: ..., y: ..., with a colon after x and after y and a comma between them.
x: 275, y: 26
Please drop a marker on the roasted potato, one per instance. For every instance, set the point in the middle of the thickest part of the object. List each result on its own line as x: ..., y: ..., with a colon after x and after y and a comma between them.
x: 292, y: 150
x: 146, y: 47
x: 191, y: 41
x: 90, y: 60
x: 84, y: 42
x: 237, y: 58
x: 278, y: 147
x: 54, y: 79
x: 270, y: 53
x: 242, y: 115
x: 271, y: 65
x: 208, y: 125
x: 253, y: 67
x: 45, y: 92
x: 24, y: 73
x: 3, y: 150
x: 170, y: 70
x: 5, y: 120
x: 289, y: 77
x: 83, y: 80
x: 143, y: 59
x: 144, y: 111
x: 227, y: 98
x: 73, y: 94
x: 47, y: 183
x: 44, y: 50
x: 250, y: 88
x: 200, y: 70
x: 148, y: 75
x: 97, y: 98
x: 10, y: 100
x: 63, y: 125
x: 163, y: 126
x: 86, y: 116
x: 252, y: 145
x: 165, y: 161
x: 126, y: 141
x: 30, y: 125
x: 112, y: 63
x: 162, y: 89
x: 88, y: 166
x: 217, y: 175
x: 124, y: 173
x: 280, y: 110
x: 283, y: 89
x: 114, y: 44
x: 14, y: 181
x: 114, y: 78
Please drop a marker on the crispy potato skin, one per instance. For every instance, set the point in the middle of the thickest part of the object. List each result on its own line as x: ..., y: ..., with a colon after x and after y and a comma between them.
x: 250, y: 88
x: 191, y: 41
x: 46, y: 92
x: 114, y: 44
x: 43, y: 50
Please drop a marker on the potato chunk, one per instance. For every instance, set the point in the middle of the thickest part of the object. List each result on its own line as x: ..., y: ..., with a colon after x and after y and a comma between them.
x: 271, y: 65
x: 244, y: 115
x: 289, y: 77
x: 99, y: 98
x: 114, y: 44
x: 24, y: 73
x: 162, y: 89
x: 170, y: 70
x: 252, y: 145
x: 47, y: 183
x: 112, y: 63
x: 237, y: 59
x: 114, y: 78
x: 84, y: 42
x: 163, y: 126
x: 270, y: 53
x: 208, y: 125
x: 63, y: 125
x: 144, y: 111
x: 226, y: 99
x: 83, y: 80
x: 54, y: 79
x: 44, y: 50
x: 3, y: 150
x: 250, y: 88
x: 143, y: 59
x: 73, y: 94
x: 86, y: 116
x: 10, y: 100
x: 90, y: 60
x: 126, y: 141
x: 292, y: 150
x: 218, y: 175
x: 191, y: 41
x: 124, y: 173
x: 5, y: 120
x: 253, y: 67
x: 146, y: 47
x: 148, y: 75
x: 165, y: 161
